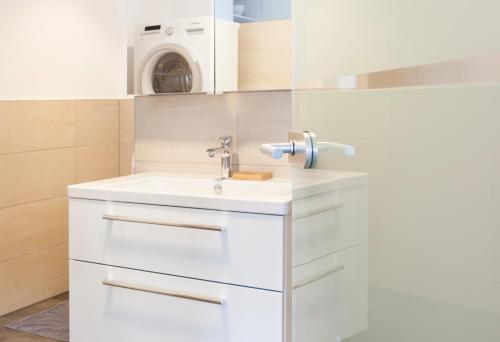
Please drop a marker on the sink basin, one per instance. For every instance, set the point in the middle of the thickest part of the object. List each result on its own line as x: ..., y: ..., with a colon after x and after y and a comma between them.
x: 204, y: 186
x: 195, y: 191
x: 272, y: 197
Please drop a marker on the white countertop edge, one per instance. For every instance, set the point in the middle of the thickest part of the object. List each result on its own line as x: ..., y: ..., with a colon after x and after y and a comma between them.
x: 281, y: 208
x: 278, y: 205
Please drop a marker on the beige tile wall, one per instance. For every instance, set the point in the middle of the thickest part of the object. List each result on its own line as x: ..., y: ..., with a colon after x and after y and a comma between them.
x: 470, y: 70
x: 173, y: 132
x: 265, y: 55
x: 44, y: 147
x: 47, y: 145
x: 97, y: 137
x: 127, y: 136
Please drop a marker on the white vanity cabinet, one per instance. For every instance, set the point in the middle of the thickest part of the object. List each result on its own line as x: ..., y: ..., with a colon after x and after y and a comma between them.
x: 226, y: 269
x: 210, y: 311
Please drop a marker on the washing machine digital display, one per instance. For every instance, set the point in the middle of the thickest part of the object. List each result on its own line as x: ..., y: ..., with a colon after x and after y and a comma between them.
x: 152, y: 28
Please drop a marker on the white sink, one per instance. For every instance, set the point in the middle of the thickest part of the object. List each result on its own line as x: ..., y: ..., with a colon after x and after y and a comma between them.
x: 204, y: 186
x: 198, y: 191
x: 195, y: 191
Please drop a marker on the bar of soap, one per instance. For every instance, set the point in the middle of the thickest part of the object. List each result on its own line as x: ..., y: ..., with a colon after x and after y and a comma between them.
x: 253, y: 176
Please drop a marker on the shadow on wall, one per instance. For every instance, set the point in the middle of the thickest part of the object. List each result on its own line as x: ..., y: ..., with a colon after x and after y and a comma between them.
x: 130, y: 69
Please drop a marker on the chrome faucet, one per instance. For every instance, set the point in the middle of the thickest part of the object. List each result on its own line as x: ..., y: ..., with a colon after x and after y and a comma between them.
x: 225, y: 150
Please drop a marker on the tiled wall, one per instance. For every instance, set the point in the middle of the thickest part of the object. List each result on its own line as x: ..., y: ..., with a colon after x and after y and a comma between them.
x: 44, y: 147
x: 174, y: 131
x: 127, y: 136
x: 47, y: 145
x: 265, y: 55
x: 469, y: 70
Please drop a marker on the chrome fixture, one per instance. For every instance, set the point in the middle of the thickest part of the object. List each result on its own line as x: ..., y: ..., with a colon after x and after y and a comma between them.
x: 162, y: 223
x: 225, y: 150
x: 303, y: 149
x: 169, y: 293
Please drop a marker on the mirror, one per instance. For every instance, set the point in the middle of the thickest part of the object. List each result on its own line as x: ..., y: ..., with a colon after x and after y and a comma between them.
x: 264, y: 43
x: 208, y: 46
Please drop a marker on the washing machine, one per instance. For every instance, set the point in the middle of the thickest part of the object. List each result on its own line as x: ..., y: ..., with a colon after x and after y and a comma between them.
x: 179, y: 56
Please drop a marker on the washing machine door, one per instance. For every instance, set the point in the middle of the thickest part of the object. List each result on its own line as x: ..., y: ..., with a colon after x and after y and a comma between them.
x: 170, y: 69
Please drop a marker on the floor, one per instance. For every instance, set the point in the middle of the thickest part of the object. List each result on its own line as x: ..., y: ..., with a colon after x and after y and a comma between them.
x: 7, y: 335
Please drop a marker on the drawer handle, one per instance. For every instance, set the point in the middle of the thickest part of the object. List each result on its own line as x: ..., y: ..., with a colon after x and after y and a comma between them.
x: 168, y: 293
x: 318, y: 211
x: 160, y: 223
x: 319, y: 277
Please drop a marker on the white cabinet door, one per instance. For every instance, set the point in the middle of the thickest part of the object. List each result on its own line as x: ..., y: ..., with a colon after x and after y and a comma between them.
x: 104, y: 313
x: 249, y: 250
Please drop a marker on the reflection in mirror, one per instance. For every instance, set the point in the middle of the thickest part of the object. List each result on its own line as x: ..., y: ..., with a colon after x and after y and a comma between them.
x: 209, y: 46
x: 171, y: 46
x: 469, y: 70
x: 247, y: 11
x: 264, y: 53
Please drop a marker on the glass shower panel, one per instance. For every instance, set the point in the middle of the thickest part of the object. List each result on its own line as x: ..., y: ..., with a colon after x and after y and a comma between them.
x: 336, y: 38
x: 415, y: 87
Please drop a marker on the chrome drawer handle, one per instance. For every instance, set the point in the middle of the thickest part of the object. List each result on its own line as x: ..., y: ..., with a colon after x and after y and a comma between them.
x: 161, y: 223
x: 319, y: 277
x: 188, y: 296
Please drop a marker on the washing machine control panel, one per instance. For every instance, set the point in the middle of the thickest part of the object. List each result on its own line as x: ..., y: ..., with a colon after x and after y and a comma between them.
x: 169, y: 31
x: 151, y: 31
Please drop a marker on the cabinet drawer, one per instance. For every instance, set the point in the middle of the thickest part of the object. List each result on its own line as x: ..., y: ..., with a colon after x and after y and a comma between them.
x: 115, y: 304
x: 330, y: 222
x: 333, y: 289
x: 227, y: 247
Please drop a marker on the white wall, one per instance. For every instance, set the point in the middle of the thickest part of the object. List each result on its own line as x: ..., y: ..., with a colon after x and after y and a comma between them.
x: 59, y: 49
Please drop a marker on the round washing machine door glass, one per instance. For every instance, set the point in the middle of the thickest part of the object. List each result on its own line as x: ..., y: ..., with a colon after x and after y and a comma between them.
x: 170, y: 69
